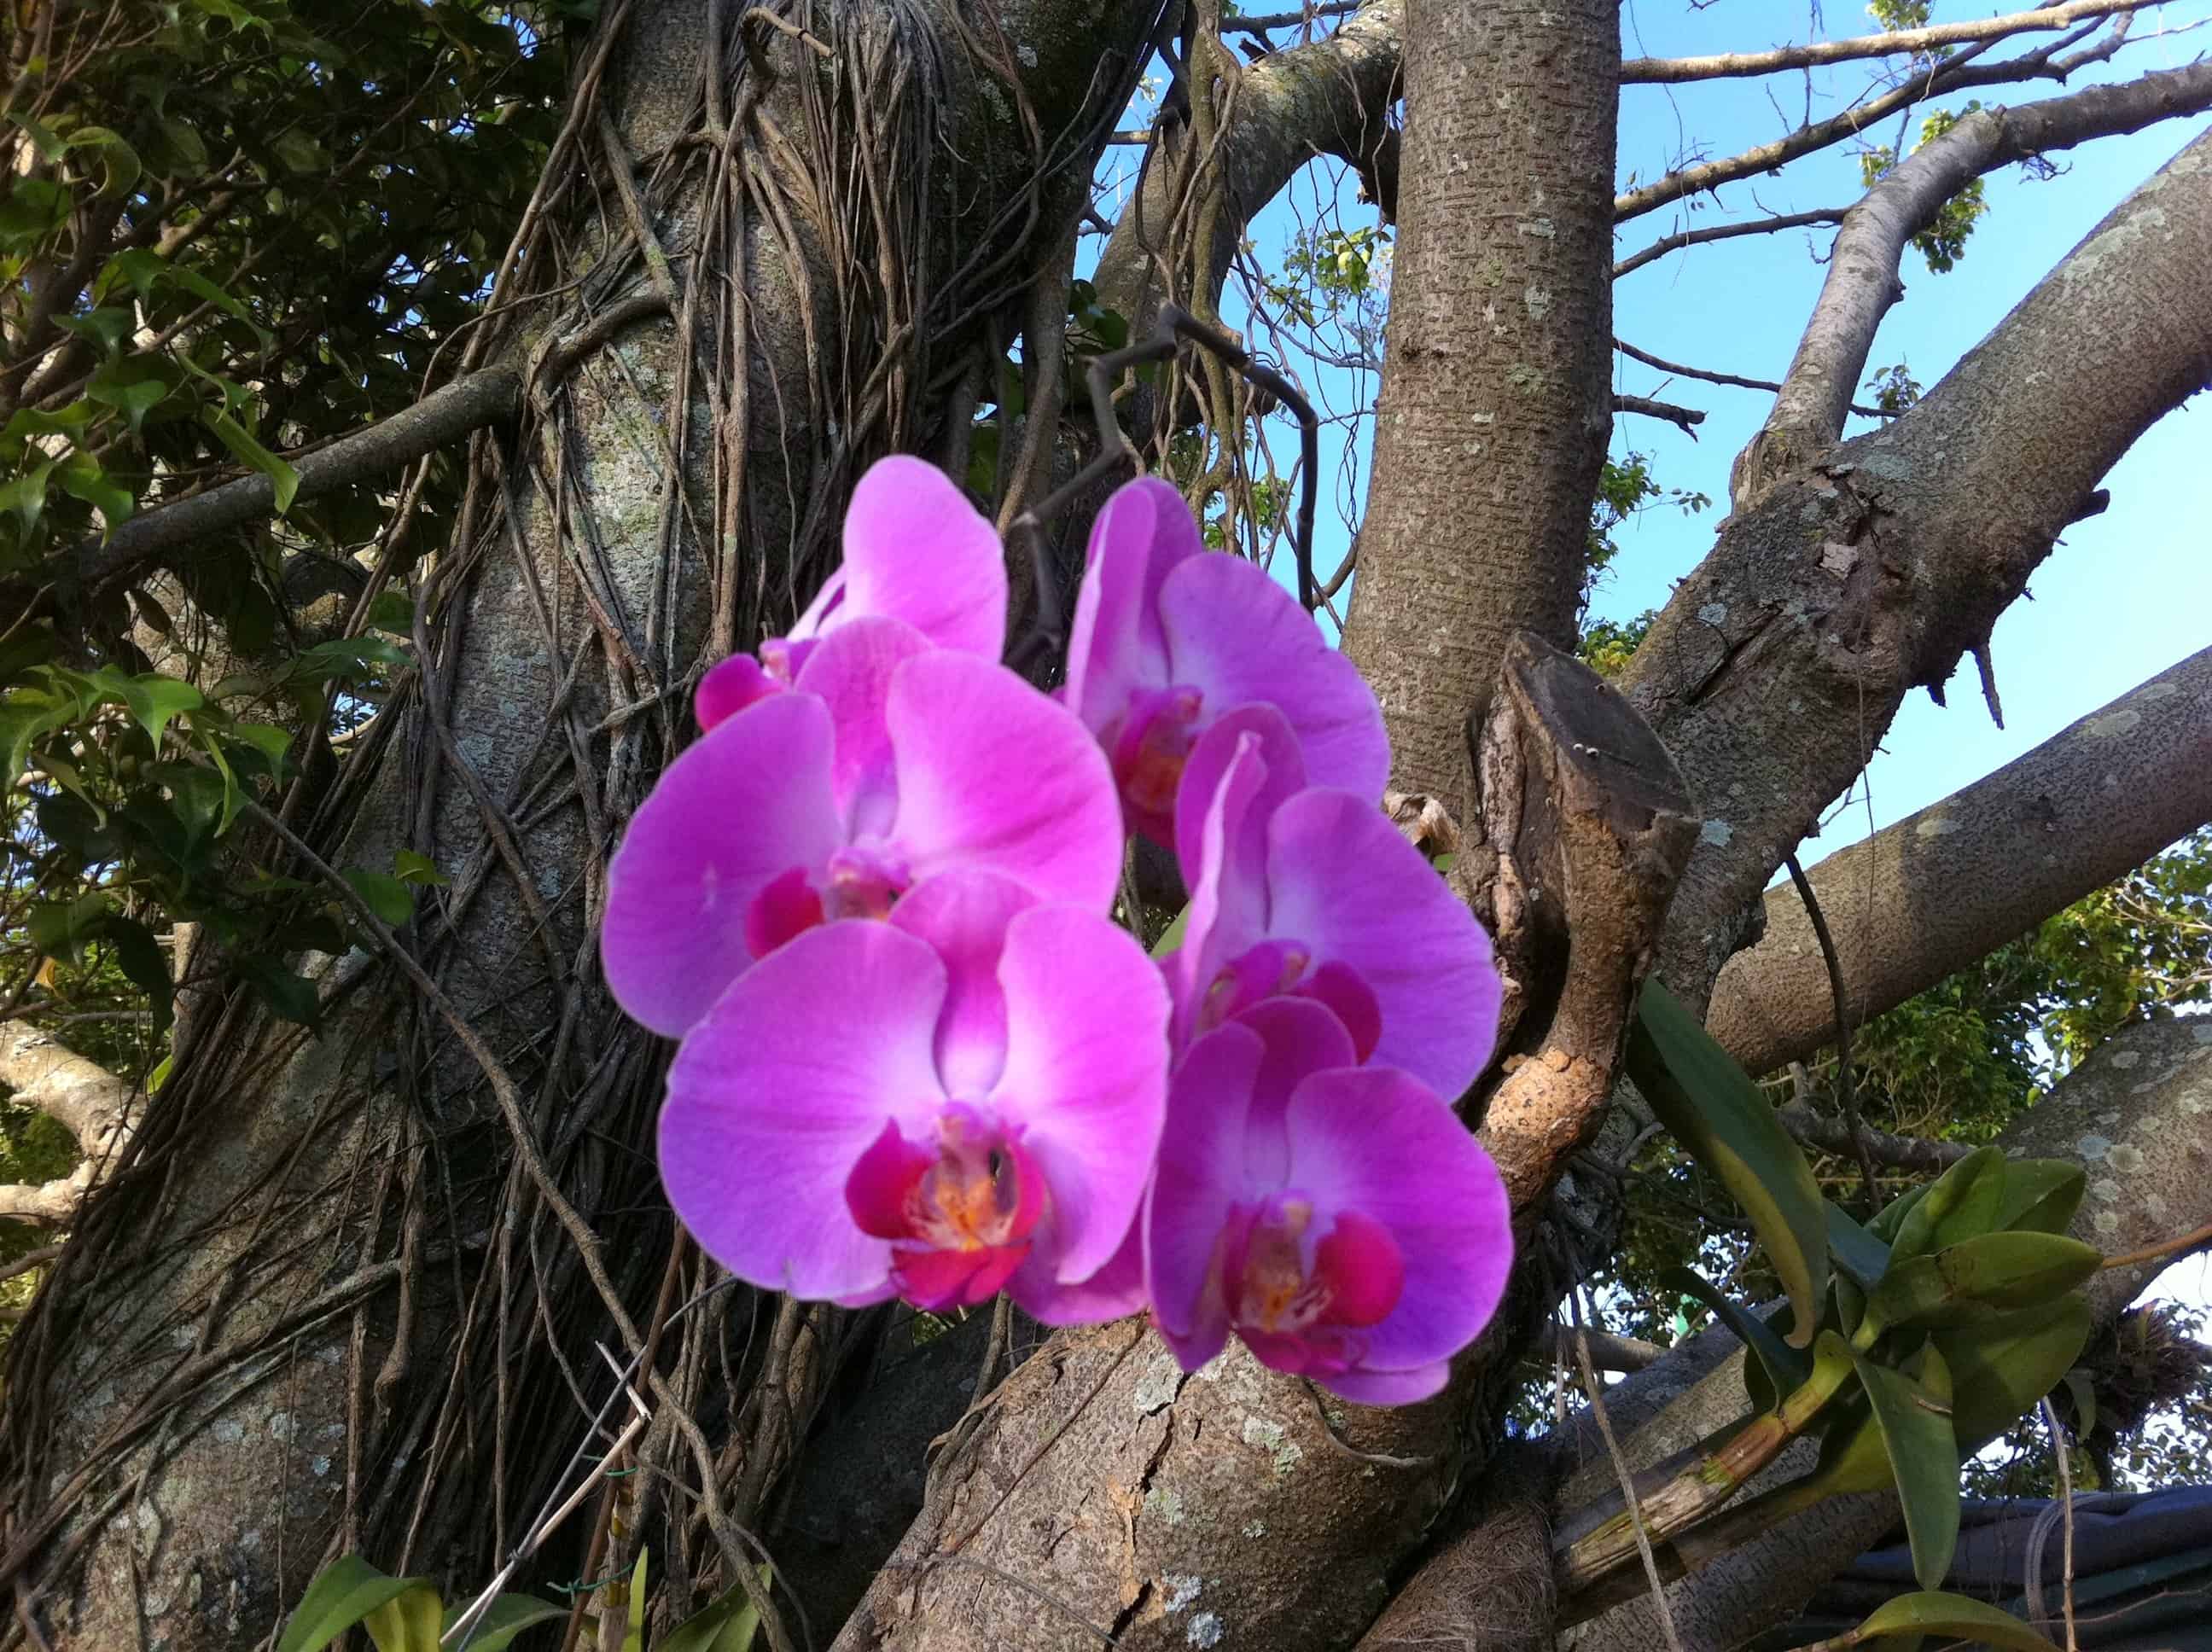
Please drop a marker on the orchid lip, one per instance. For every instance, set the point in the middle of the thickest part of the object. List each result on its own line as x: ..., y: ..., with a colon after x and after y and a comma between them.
x: 959, y: 1213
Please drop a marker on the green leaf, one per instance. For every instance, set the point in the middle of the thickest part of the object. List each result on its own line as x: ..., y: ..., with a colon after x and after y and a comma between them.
x: 134, y: 387
x: 1172, y: 937
x: 60, y: 929
x: 342, y: 1594
x: 85, y: 478
x: 387, y: 897
x: 2003, y: 1366
x: 634, y: 1605
x: 392, y: 612
x: 1864, y: 1258
x: 1992, y: 1269
x: 1915, y: 1419
x: 25, y: 497
x: 507, y: 1616
x: 1953, y: 1617
x: 1961, y: 1203
x: 155, y: 699
x: 408, y: 1622
x: 138, y: 955
x: 1722, y: 1121
x: 1786, y: 1367
x: 246, y: 451
x: 727, y: 1624
x: 288, y: 996
x: 413, y: 868
x: 2041, y: 1193
x: 271, y: 742
x: 1885, y: 1224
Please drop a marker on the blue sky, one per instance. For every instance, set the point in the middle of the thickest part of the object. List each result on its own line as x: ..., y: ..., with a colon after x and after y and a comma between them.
x: 2128, y: 593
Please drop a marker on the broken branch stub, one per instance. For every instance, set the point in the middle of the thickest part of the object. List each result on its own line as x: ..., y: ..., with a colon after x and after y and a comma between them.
x: 1585, y: 827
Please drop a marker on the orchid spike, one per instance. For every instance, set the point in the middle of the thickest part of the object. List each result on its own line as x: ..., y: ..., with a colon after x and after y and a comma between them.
x: 1167, y: 637
x: 965, y: 1098
x: 1311, y: 892
x: 887, y: 762
x: 1338, y: 1218
x: 915, y: 550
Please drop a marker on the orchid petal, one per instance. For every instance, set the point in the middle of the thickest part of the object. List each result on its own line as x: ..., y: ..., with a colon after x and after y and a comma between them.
x: 1114, y: 1293
x: 1367, y: 1388
x: 991, y: 773
x: 779, y: 1094
x: 1342, y: 879
x: 1116, y: 645
x: 728, y: 688
x: 1240, y: 637
x: 963, y: 915
x: 742, y: 806
x: 1228, y: 889
x: 1086, y: 1074
x: 916, y: 550
x: 1301, y: 1038
x: 1195, y: 1187
x: 851, y: 673
x: 1267, y: 735
x: 1373, y: 1140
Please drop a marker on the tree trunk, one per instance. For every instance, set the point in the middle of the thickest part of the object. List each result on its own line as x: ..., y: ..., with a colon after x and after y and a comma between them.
x: 789, y: 277
x: 1496, y: 403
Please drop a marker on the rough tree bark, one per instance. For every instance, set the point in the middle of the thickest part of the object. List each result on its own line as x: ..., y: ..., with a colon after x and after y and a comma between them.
x: 1939, y: 888
x: 1496, y: 404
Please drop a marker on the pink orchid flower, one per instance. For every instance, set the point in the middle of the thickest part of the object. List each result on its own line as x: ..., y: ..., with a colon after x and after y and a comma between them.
x: 915, y: 550
x: 1338, y: 1219
x: 1167, y: 637
x: 886, y: 760
x: 1312, y: 892
x: 964, y: 1098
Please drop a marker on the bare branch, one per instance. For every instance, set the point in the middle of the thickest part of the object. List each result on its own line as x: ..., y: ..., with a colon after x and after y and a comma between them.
x: 45, y: 1204
x: 1736, y: 380
x: 484, y: 398
x: 1686, y: 419
x: 1810, y: 1127
x: 1862, y: 282
x: 1937, y: 890
x: 1975, y: 31
x: 1661, y: 247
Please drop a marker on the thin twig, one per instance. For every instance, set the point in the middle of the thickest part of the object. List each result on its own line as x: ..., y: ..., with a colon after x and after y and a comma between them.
x: 1846, y: 1095
x: 1627, y: 1482
x: 2066, y: 1505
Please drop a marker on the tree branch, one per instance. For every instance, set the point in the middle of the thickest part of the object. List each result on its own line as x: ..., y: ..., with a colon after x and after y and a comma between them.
x: 1783, y: 657
x: 83, y: 1097
x: 1686, y: 419
x: 1675, y: 243
x: 1861, y: 280
x: 483, y: 397
x: 1980, y: 31
x: 1810, y: 1127
x: 1943, y: 888
x: 1736, y: 381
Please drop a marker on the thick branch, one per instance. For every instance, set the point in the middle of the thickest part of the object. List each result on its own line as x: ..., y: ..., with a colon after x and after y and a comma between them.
x: 1978, y: 31
x: 1329, y: 97
x: 87, y: 1100
x: 1935, y: 892
x: 1861, y: 280
x: 466, y: 405
x: 1783, y: 657
x: 45, y: 1204
x: 1686, y: 419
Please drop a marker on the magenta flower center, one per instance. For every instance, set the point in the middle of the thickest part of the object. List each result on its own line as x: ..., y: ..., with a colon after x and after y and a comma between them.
x: 1280, y: 1281
x: 1154, y: 743
x: 959, y: 1213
